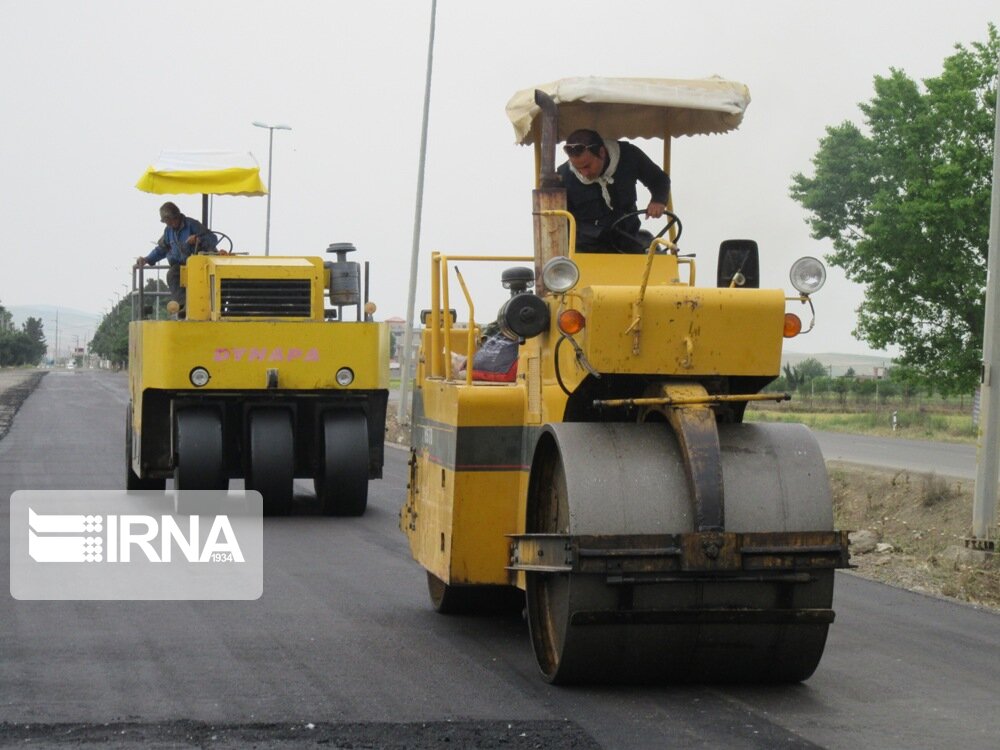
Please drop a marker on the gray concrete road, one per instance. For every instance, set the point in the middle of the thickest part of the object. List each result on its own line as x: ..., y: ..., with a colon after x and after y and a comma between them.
x: 343, y: 649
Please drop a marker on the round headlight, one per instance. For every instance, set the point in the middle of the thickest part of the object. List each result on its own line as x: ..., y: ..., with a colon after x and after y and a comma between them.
x: 199, y: 377
x: 560, y: 274
x: 808, y: 275
x: 345, y: 376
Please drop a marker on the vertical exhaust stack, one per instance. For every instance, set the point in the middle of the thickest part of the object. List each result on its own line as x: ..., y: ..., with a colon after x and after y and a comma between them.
x: 551, y: 233
x: 344, y: 279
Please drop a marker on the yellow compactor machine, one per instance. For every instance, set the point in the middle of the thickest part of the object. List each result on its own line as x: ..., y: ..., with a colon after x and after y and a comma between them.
x: 612, y: 487
x: 263, y: 378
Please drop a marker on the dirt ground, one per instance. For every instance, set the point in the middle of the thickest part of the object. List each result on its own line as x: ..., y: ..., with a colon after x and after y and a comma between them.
x: 15, y: 386
x: 918, y: 524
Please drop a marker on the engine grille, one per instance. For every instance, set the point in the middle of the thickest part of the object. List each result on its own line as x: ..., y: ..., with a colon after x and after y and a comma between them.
x: 265, y: 298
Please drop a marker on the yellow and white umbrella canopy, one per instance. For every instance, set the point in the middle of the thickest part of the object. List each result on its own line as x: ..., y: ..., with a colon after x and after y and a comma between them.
x: 204, y: 172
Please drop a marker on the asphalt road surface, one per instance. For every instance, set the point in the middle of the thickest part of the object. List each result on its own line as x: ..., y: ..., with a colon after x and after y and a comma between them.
x: 343, y: 649
x: 950, y: 459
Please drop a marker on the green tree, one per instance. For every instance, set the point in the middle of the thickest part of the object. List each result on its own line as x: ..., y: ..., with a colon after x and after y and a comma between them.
x: 841, y: 386
x: 793, y: 376
x: 906, y: 202
x: 811, y: 368
x: 34, y: 341
x: 24, y: 347
x: 6, y: 320
x: 110, y: 340
x: 778, y: 385
x: 34, y: 328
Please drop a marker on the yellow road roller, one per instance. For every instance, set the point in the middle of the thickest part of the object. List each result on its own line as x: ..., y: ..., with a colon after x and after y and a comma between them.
x: 605, y: 480
x: 261, y: 376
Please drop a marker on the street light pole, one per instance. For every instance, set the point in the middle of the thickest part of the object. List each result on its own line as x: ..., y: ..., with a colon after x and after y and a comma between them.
x: 405, y: 366
x: 270, y: 152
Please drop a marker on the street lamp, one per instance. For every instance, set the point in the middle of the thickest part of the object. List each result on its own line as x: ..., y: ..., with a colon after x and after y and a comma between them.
x: 270, y: 151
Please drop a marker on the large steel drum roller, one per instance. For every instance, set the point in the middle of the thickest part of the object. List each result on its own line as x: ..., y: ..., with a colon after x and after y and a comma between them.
x: 622, y: 585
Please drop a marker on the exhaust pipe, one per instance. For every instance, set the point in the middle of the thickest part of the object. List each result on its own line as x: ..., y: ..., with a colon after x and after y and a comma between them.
x: 550, y: 134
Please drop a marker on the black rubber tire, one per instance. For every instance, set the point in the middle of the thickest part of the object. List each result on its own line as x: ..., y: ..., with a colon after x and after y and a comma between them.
x: 132, y: 480
x: 271, y: 449
x: 342, y: 475
x: 198, y: 450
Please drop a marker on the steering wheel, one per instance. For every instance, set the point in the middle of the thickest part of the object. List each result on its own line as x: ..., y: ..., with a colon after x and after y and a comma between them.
x: 673, y: 220
x: 220, y: 237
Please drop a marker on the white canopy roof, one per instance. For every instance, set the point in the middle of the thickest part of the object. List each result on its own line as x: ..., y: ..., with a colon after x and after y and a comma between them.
x: 633, y: 107
x: 203, y: 161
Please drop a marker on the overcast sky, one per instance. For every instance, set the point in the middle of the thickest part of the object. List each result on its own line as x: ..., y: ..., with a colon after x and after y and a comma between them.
x: 92, y: 91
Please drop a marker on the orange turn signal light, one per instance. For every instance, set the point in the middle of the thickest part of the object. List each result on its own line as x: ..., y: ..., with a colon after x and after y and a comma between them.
x: 793, y: 326
x: 571, y: 321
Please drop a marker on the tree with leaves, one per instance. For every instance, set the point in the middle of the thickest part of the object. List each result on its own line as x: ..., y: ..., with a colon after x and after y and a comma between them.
x: 805, y: 371
x: 110, y: 340
x: 793, y: 376
x: 811, y: 368
x: 24, y: 347
x: 6, y: 320
x: 905, y: 198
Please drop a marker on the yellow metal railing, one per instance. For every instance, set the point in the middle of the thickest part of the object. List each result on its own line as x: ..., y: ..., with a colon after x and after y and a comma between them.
x: 572, y: 225
x: 440, y: 358
x: 469, y: 338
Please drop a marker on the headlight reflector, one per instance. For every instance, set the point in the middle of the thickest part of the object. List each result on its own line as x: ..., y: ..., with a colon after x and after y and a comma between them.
x: 345, y: 376
x: 199, y: 377
x: 560, y: 274
x: 808, y: 275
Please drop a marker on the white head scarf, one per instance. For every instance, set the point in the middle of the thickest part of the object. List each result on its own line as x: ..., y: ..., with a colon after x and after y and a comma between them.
x: 607, y: 177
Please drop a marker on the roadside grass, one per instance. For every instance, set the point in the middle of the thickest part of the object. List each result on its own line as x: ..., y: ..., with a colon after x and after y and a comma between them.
x: 913, y: 424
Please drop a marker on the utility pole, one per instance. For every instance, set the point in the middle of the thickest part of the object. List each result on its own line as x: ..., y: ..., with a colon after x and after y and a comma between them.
x: 404, y: 370
x: 984, y: 504
x: 270, y: 152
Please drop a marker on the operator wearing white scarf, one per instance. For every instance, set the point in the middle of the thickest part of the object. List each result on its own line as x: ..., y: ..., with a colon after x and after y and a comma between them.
x: 600, y: 180
x: 607, y: 177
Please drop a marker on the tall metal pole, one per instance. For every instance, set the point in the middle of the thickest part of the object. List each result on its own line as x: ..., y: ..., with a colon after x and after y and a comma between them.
x: 270, y: 153
x: 404, y: 371
x: 267, y: 226
x: 984, y: 505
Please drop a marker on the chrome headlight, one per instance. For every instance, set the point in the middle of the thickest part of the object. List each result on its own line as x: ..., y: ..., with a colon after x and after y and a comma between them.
x: 345, y: 376
x: 199, y: 377
x: 560, y: 274
x: 808, y: 275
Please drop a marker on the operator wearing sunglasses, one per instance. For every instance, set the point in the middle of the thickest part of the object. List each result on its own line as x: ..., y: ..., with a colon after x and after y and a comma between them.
x: 600, y: 179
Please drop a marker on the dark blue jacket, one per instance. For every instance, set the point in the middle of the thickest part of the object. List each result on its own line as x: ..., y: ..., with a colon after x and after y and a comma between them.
x: 173, y: 244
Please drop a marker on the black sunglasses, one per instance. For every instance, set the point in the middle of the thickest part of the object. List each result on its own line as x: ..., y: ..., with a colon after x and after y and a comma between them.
x: 575, y: 149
